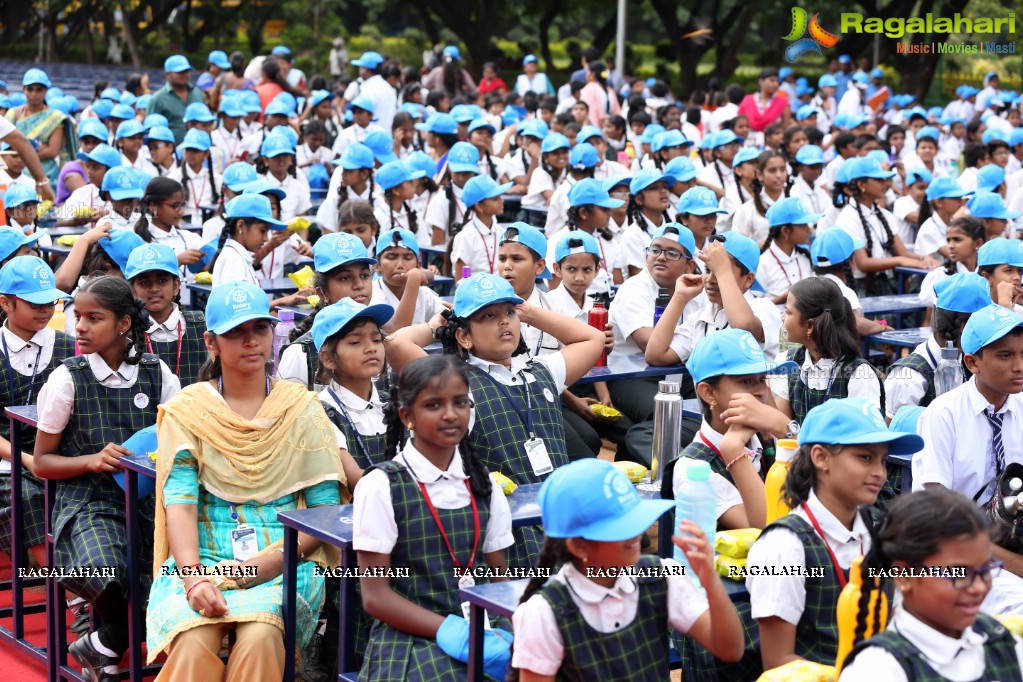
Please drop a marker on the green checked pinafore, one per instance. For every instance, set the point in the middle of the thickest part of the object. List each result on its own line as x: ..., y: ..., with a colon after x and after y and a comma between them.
x: 919, y: 364
x: 375, y: 444
x: 89, y: 516
x: 637, y: 652
x: 193, y: 348
x: 1000, y: 660
x: 17, y: 389
x: 802, y: 398
x: 499, y: 434
x: 311, y: 356
x: 395, y: 656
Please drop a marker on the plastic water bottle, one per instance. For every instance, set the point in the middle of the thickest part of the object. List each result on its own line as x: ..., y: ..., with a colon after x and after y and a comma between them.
x: 774, y: 484
x: 284, y: 326
x: 667, y: 429
x: 696, y: 501
x: 949, y: 372
x: 663, y: 297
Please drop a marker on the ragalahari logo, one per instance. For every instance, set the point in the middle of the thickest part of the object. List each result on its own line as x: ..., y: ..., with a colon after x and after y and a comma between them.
x: 819, y: 37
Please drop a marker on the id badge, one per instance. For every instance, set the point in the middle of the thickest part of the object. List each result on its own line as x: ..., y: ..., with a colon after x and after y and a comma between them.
x: 243, y: 542
x: 538, y: 457
x: 486, y: 616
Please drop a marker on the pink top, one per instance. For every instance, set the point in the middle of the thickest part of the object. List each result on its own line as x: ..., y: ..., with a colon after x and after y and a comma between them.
x: 603, y: 102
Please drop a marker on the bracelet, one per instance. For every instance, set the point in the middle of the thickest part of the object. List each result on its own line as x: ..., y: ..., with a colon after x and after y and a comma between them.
x: 42, y: 183
x: 198, y: 582
x: 745, y: 455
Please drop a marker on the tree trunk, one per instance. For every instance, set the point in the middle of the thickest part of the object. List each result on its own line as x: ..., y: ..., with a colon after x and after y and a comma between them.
x: 428, y: 24
x: 130, y: 24
x: 550, y: 14
x: 728, y: 50
x: 606, y: 33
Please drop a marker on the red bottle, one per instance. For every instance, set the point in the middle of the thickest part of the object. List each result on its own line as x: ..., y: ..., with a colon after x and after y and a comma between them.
x: 598, y: 320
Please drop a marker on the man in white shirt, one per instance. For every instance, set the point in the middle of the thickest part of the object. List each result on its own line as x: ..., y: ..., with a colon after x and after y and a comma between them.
x: 376, y: 89
x: 991, y: 83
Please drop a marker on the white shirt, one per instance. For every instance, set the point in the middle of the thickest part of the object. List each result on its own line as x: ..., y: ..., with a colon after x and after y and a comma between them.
x: 230, y: 143
x: 863, y: 383
x: 968, y: 179
x: 304, y: 155
x: 850, y: 295
x: 554, y: 362
x: 903, y: 207
x: 384, y: 98
x: 635, y: 238
x: 234, y: 264
x: 815, y: 198
x: 538, y: 342
x: 292, y: 365
x: 778, y: 271
x: 326, y: 214
x: 538, y: 84
x: 439, y: 207
x: 57, y: 396
x: 6, y: 127
x: 726, y: 494
x: 141, y: 163
x: 353, y: 133
x: 561, y: 301
x: 958, y: 451
x: 367, y: 417
x: 86, y: 196
x: 904, y: 386
x: 958, y: 659
x: 748, y: 222
x: 476, y: 245
x: 419, y: 204
x: 390, y: 218
x: 180, y: 241
x: 428, y: 303
x: 517, y: 163
x: 711, y: 317
x: 931, y: 236
x: 852, y: 102
x: 539, y: 182
x: 557, y: 211
x: 785, y: 596
x: 849, y: 220
x: 709, y: 175
x: 21, y: 354
x: 200, y: 190
x: 296, y: 201
x: 538, y: 644
x: 212, y: 228
x: 633, y: 308
x: 931, y: 280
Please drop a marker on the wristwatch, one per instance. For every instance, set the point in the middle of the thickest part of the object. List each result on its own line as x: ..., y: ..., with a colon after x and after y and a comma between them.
x: 793, y: 429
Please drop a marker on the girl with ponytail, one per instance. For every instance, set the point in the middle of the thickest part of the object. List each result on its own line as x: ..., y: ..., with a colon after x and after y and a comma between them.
x: 938, y: 614
x: 351, y: 180
x: 475, y: 242
x: 648, y: 210
x: 769, y: 184
x: 744, y: 170
x: 834, y: 478
x: 787, y: 247
x: 393, y: 210
x: 161, y: 210
x: 590, y: 211
x: 200, y: 185
x: 447, y: 210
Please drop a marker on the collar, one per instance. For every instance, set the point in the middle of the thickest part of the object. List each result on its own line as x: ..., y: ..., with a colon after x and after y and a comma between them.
x: 170, y: 324
x: 518, y: 363
x: 354, y: 402
x: 103, y: 372
x: 979, y: 404
x: 935, y: 349
x: 16, y: 344
x: 590, y: 592
x: 834, y: 528
x: 537, y: 298
x: 781, y: 255
x: 824, y: 364
x: 766, y: 198
x: 648, y: 224
x: 709, y: 312
x: 933, y: 645
x: 241, y: 250
x: 424, y: 471
x: 715, y: 438
x: 278, y: 183
x: 485, y: 229
x: 568, y: 305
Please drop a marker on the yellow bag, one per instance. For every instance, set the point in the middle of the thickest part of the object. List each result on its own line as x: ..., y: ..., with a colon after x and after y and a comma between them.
x: 506, y: 484
x: 605, y: 413
x: 1013, y: 622
x: 303, y: 278
x: 44, y: 208
x: 313, y: 300
x: 68, y: 239
x: 83, y: 212
x: 800, y: 671
x: 204, y: 278
x: 729, y: 567
x: 735, y: 543
x: 298, y: 224
x: 635, y: 472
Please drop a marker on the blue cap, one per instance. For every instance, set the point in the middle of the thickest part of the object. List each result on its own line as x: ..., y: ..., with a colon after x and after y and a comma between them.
x: 1016, y: 137
x: 876, y: 72
x: 533, y: 128
x: 928, y: 132
x: 784, y: 72
x: 699, y: 201
x: 318, y: 96
x: 462, y: 113
x: 482, y: 187
x: 866, y: 167
x: 791, y: 211
x: 583, y: 155
x: 861, y: 78
x: 121, y: 183
x: 745, y: 155
x: 553, y: 142
x: 35, y: 77
x: 906, y: 419
x: 356, y: 156
x: 844, y: 59
x: 945, y: 187
x: 234, y: 303
x: 412, y: 109
x: 440, y: 123
x: 102, y: 154
x: 93, y: 127
x: 111, y: 94
x: 668, y: 139
x: 650, y: 132
x: 723, y: 137
x: 369, y: 60
x: 935, y: 112
x: 277, y: 108
x: 742, y: 249
x: 586, y: 244
x: 339, y: 248
x: 1001, y: 251
x: 463, y: 157
x: 218, y: 58
x: 963, y: 292
x: 153, y: 120
x: 481, y: 290
x: 19, y: 194
x: 589, y: 191
x: 827, y: 81
x: 152, y: 257
x: 854, y: 421
x: 393, y: 173
x: 593, y: 500
x: 453, y: 52
x: 529, y: 59
x: 238, y: 175
x: 616, y: 181
x: 731, y: 352
x: 681, y: 169
x: 197, y: 111
x: 528, y: 236
x: 421, y: 161
x: 161, y: 133
x: 806, y: 111
x: 333, y: 318
x: 478, y: 123
x: 588, y: 131
x: 129, y: 128
x: 676, y: 232
x: 856, y: 120
x: 251, y: 102
x: 364, y: 103
x: 647, y: 177
x: 918, y: 174
x: 141, y: 444
x: 989, y: 177
x: 205, y: 81
x: 833, y: 247
x: 122, y: 111
x: 262, y: 185
x: 12, y: 239
x: 176, y: 63
x: 66, y: 105
x: 281, y: 51
x: 253, y: 206
x: 382, y: 145
x: 119, y: 246
x: 989, y: 75
x: 200, y: 140
x: 986, y: 326
x: 810, y: 155
x: 30, y: 279
x: 879, y: 155
x: 275, y: 145
x: 989, y: 205
x: 56, y: 93
x: 397, y: 236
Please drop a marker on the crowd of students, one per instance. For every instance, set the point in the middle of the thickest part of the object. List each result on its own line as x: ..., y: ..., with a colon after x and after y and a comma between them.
x: 692, y: 222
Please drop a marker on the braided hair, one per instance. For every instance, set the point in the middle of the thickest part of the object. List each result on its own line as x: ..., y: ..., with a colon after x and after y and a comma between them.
x: 774, y: 232
x: 115, y: 294
x: 225, y: 233
x: 413, y: 223
x: 213, y: 185
x: 158, y: 190
x: 634, y: 212
x: 359, y: 211
x: 417, y: 376
x: 762, y: 161
x: 490, y: 164
x: 342, y: 188
x: 889, y: 243
x: 974, y: 229
x: 306, y: 323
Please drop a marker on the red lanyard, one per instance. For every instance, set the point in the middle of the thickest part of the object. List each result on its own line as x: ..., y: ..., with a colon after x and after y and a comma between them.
x: 783, y: 269
x: 440, y: 526
x: 603, y: 261
x: 717, y: 451
x: 198, y: 195
x: 177, y: 364
x: 831, y: 553
x: 490, y: 259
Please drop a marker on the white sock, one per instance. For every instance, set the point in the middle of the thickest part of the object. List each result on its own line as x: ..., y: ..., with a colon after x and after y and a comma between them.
x: 75, y: 602
x: 98, y: 646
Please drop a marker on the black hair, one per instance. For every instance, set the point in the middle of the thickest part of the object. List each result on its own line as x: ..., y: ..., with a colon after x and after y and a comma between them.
x: 973, y: 228
x: 843, y: 140
x: 948, y: 324
x: 813, y: 136
x: 358, y: 211
x: 323, y: 374
x: 821, y: 302
x: 226, y: 232
x: 639, y: 115
x: 97, y: 262
x: 342, y: 190
x: 996, y: 144
x: 634, y: 213
x: 417, y: 376
x: 757, y: 186
x: 449, y: 343
x: 842, y: 270
x: 434, y: 97
x: 864, y: 139
x: 209, y: 168
x: 772, y: 235
x: 973, y: 154
x: 893, y: 129
x: 238, y: 62
x: 314, y: 125
x: 802, y: 477
x: 115, y: 294
x: 573, y: 222
x: 263, y: 168
x: 158, y: 190
x: 413, y: 222
x: 889, y: 242
x: 786, y: 139
x: 306, y: 323
x: 98, y: 87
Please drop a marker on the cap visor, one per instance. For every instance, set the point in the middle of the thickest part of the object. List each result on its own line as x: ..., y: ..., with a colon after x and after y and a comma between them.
x: 167, y: 269
x: 44, y: 297
x: 419, y: 126
x: 381, y: 313
x: 415, y: 175
x: 275, y: 225
x: 705, y: 210
x: 121, y: 194
x: 463, y: 168
x: 36, y: 236
x: 504, y: 299
x: 386, y: 157
x: 808, y: 218
x: 238, y: 321
x: 632, y: 524
x: 611, y: 203
x: 898, y: 443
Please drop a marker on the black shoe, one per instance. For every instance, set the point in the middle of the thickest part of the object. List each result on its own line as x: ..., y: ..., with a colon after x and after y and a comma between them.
x: 82, y: 620
x: 92, y: 661
x: 312, y: 668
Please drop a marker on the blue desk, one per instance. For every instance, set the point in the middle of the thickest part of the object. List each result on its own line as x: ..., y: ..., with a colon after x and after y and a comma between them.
x: 898, y: 305
x: 905, y: 464
x: 900, y: 338
x: 426, y: 252
x: 277, y: 285
x: 902, y: 274
x: 135, y: 466
x: 627, y: 366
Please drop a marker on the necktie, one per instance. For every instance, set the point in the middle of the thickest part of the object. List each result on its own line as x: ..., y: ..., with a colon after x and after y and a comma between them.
x: 996, y: 440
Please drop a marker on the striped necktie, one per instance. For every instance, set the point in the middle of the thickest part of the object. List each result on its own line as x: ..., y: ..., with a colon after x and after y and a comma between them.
x: 996, y: 439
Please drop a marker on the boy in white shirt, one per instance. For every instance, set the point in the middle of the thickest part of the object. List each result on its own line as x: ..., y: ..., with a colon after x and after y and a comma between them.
x: 362, y: 109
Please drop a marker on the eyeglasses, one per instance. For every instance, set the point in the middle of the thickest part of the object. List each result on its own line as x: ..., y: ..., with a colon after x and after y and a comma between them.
x: 965, y: 577
x: 177, y: 205
x: 669, y: 254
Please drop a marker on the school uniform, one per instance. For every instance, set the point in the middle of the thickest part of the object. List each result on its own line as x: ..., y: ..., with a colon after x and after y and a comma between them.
x: 200, y: 190
x: 353, y: 133
x: 326, y: 214
x: 230, y: 143
x: 927, y: 295
x: 86, y: 196
x: 419, y: 203
x: 968, y: 179
x: 610, y: 260
x: 816, y: 383
x: 120, y: 222
x: 557, y: 211
x: 358, y: 423
x: 141, y: 163
x: 716, y: 174
x: 538, y: 342
x: 180, y: 241
x: 636, y: 237
x: 298, y: 361
x: 633, y: 308
x: 778, y: 271
x: 707, y: 447
x: 305, y: 156
x: 910, y: 379
x: 815, y: 198
x: 26, y: 366
x: 561, y: 300
x: 849, y: 220
x: 933, y: 235
x: 178, y: 341
x: 609, y: 169
x: 212, y: 228
x: 541, y: 182
x: 911, y: 650
x: 273, y: 263
x: 711, y: 317
x: 234, y: 263
x: 493, y: 167
x: 849, y: 294
x: 476, y: 245
x: 735, y: 197
x: 569, y: 625
x: 390, y: 494
x: 296, y: 200
x: 439, y: 209
x: 808, y: 603
x: 906, y: 230
x: 390, y: 218
x: 428, y: 303
x: 516, y: 163
x: 748, y: 222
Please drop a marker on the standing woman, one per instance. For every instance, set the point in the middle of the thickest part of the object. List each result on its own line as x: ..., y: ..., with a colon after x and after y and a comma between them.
x: 766, y: 105
x: 602, y: 100
x: 236, y: 449
x: 53, y: 130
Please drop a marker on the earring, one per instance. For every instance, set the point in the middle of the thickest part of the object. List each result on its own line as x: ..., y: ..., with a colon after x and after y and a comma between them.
x: 713, y: 404
x: 409, y: 426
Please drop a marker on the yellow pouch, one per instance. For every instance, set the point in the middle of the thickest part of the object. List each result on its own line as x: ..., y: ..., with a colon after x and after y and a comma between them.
x: 735, y: 543
x: 152, y: 455
x: 68, y: 239
x: 44, y: 208
x: 83, y: 212
x: 605, y: 413
x: 506, y: 484
x: 204, y: 278
x: 313, y: 300
x: 635, y: 472
x: 729, y: 567
x: 298, y: 224
x: 800, y: 671
x: 1013, y: 623
x: 303, y: 278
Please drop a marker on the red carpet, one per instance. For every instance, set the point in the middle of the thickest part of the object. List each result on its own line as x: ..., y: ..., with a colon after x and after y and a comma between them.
x: 14, y: 664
